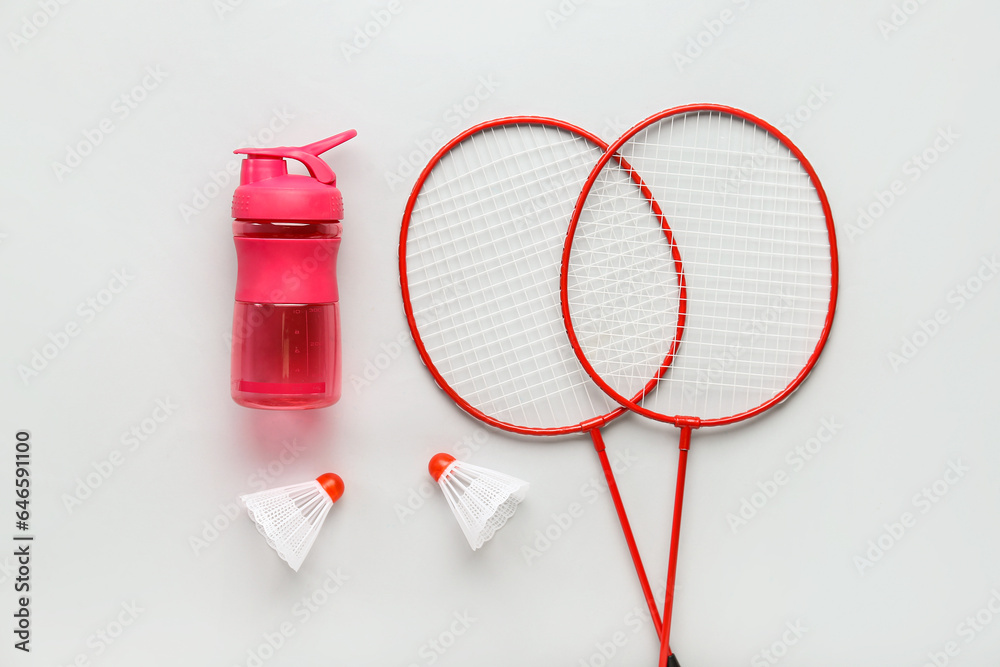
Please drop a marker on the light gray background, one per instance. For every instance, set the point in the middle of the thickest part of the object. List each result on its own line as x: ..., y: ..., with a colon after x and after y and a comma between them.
x: 603, y: 65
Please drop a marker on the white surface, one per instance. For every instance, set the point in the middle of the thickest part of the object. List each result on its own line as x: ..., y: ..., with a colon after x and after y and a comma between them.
x: 604, y: 67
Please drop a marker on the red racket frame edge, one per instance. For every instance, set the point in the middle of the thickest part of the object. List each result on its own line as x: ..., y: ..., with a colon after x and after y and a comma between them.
x: 611, y: 152
x: 591, y: 426
x: 687, y: 423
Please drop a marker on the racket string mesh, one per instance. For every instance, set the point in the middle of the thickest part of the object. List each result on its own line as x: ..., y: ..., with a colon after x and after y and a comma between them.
x: 752, y: 234
x: 483, y: 253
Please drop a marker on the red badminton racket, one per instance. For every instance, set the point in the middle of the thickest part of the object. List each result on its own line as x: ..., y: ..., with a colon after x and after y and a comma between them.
x: 752, y: 222
x: 479, y: 256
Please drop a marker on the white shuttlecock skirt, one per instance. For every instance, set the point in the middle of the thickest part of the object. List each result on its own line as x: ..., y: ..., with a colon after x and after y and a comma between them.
x: 289, y: 518
x: 481, y: 499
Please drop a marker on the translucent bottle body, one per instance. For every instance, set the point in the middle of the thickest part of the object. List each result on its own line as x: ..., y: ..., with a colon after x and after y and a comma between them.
x: 286, y: 322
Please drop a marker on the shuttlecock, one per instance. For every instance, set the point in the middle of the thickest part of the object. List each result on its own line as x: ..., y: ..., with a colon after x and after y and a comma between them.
x: 290, y: 517
x: 481, y: 499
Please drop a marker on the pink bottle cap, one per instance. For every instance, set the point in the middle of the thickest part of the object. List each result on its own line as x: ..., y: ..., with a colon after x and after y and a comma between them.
x: 268, y: 192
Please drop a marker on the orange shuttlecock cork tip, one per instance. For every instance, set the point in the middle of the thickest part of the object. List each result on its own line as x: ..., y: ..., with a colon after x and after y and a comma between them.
x: 332, y: 484
x: 439, y: 463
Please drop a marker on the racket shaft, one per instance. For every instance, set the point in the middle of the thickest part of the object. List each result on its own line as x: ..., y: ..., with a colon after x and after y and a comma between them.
x: 633, y: 549
x: 675, y: 536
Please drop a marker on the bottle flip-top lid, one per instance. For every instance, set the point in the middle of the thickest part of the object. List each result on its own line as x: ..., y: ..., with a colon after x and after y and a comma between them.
x: 268, y: 192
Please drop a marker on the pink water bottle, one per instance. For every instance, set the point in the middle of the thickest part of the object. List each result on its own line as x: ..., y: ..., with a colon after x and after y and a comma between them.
x: 286, y: 324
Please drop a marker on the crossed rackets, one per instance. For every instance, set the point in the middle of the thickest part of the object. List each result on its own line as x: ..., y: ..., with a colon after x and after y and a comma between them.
x: 687, y: 272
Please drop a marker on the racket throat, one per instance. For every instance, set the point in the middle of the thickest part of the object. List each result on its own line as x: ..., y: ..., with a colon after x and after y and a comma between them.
x: 686, y: 425
x: 591, y: 426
